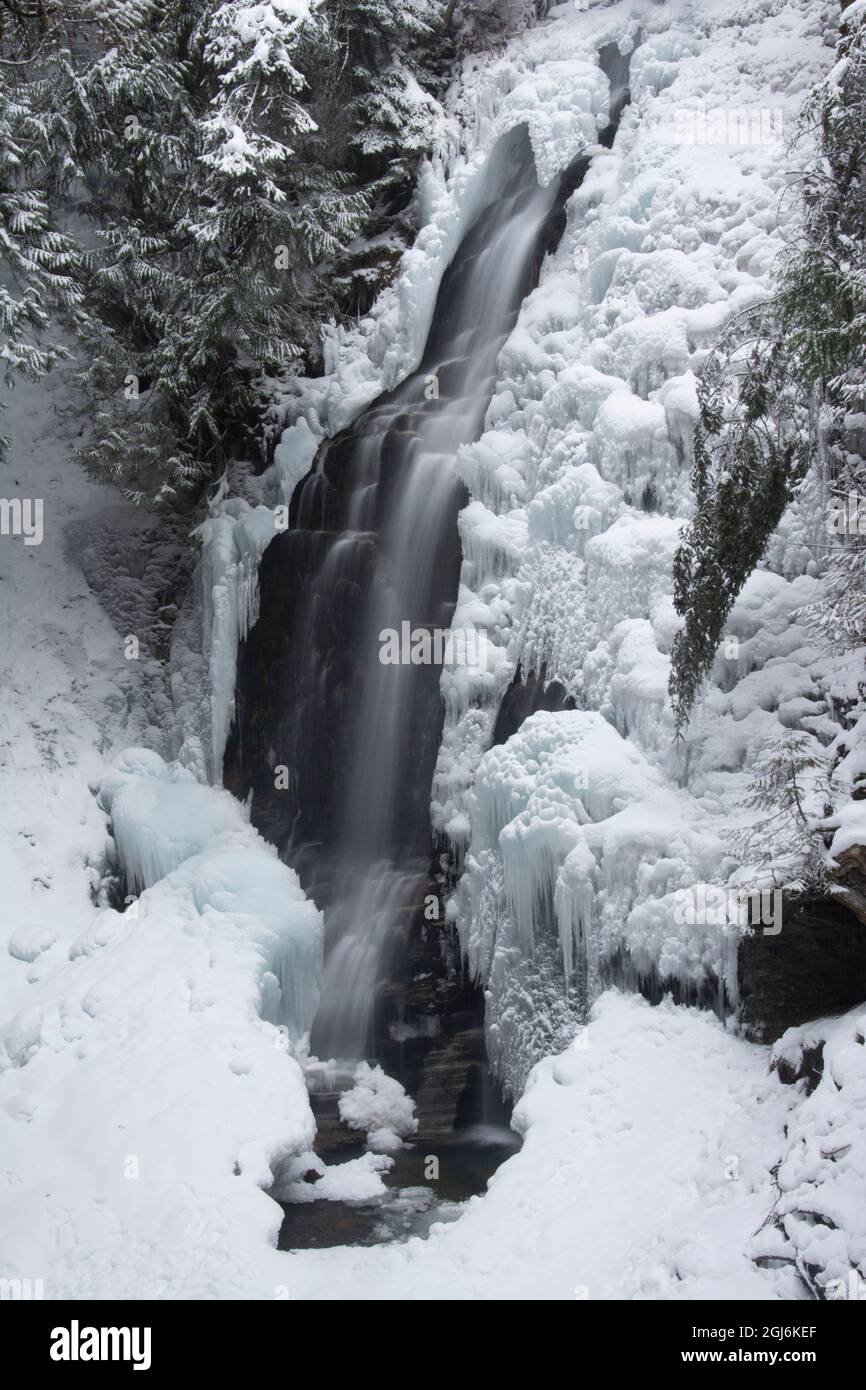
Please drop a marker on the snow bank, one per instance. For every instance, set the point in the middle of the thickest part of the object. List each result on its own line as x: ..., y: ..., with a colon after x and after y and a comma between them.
x: 645, y: 1170
x: 148, y: 1087
x: 819, y: 1221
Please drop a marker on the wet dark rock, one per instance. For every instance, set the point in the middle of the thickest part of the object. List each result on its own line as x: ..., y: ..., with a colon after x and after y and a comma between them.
x: 809, y: 1068
x: 850, y: 875
x: 814, y: 967
x: 432, y: 1036
x: 527, y: 695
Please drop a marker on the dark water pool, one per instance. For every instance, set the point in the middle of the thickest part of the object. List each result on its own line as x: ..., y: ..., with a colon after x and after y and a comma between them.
x: 414, y: 1201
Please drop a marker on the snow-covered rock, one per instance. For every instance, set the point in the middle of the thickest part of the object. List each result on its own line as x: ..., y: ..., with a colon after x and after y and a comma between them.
x: 819, y: 1220
x: 147, y: 1082
x: 378, y: 1105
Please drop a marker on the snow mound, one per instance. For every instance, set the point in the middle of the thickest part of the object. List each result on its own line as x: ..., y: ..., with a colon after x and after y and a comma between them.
x: 819, y: 1222
x: 147, y: 1082
x: 378, y: 1104
x: 357, y: 1181
x: 663, y: 1092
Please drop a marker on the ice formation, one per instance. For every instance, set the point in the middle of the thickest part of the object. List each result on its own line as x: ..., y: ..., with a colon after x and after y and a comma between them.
x: 233, y: 540
x: 173, y: 833
x: 577, y: 833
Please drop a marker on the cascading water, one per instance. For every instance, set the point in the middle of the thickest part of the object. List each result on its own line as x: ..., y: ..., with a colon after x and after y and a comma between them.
x: 383, y: 845
x: 373, y: 546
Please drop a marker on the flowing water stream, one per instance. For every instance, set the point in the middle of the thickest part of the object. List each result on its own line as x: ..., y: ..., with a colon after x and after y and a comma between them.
x: 381, y: 841
x: 373, y: 548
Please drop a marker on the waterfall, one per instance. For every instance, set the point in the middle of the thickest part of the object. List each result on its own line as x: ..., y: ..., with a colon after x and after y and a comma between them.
x: 373, y: 547
x: 382, y: 842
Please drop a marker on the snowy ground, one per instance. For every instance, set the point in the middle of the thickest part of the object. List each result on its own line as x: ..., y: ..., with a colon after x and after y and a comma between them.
x: 137, y: 1072
x: 147, y: 1093
x: 644, y: 1174
x: 66, y: 694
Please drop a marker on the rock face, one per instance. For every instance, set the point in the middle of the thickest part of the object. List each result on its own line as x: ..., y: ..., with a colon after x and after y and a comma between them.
x: 527, y: 695
x: 815, y: 967
x: 429, y: 1035
x: 434, y: 1035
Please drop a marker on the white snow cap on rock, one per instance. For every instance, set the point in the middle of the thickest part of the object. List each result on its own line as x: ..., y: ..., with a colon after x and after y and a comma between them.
x: 378, y: 1104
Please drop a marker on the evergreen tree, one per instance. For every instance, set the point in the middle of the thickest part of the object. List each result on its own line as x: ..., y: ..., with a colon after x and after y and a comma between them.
x: 42, y: 277
x: 752, y: 446
x: 384, y: 44
x: 785, y: 389
x: 376, y: 110
x: 189, y: 134
x: 791, y: 791
x: 213, y: 277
